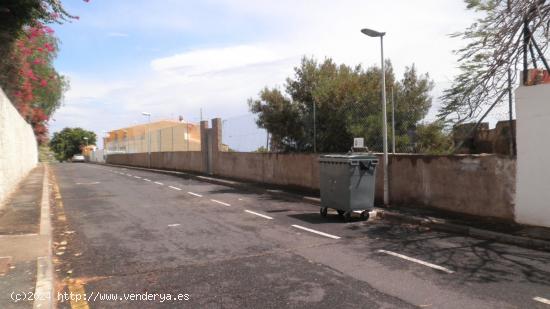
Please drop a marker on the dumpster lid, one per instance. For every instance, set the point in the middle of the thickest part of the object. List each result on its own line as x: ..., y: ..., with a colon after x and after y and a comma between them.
x: 350, y: 156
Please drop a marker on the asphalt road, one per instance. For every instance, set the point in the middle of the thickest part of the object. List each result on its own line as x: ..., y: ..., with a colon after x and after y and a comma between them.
x: 130, y: 231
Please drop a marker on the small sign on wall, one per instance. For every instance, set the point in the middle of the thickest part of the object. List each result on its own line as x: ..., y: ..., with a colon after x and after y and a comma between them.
x: 358, y: 142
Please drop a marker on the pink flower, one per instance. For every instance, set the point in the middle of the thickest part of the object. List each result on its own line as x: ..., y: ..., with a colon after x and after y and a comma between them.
x: 43, y: 83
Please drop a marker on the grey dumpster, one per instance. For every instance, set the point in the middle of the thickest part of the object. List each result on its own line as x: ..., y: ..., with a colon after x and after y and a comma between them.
x: 347, y: 183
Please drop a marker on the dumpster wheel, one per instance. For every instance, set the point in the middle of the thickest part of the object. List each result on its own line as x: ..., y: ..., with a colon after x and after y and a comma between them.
x: 323, y: 211
x: 347, y: 216
x: 341, y: 212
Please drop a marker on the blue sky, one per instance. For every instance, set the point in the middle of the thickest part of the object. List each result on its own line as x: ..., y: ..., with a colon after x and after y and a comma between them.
x: 175, y: 58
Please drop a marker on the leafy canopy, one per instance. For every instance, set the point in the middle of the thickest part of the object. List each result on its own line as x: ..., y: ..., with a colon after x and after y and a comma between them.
x: 347, y: 104
x: 70, y: 141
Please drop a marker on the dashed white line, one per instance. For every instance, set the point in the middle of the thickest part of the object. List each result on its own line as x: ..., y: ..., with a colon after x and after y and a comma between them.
x: 175, y: 188
x: 137, y: 177
x: 542, y: 300
x: 149, y: 180
x: 316, y: 232
x: 258, y: 214
x: 174, y: 225
x: 195, y: 194
x: 417, y: 261
x: 159, y: 183
x: 220, y: 202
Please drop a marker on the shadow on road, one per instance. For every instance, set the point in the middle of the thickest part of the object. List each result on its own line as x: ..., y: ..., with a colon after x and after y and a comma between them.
x: 475, y: 260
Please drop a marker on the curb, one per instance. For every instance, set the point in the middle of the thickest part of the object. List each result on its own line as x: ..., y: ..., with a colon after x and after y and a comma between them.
x: 44, y: 267
x: 435, y: 224
x: 443, y: 225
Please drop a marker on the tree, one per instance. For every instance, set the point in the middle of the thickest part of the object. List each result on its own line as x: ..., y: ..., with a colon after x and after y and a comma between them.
x: 432, y: 138
x: 70, y: 141
x: 347, y: 105
x: 261, y: 149
x: 27, y: 52
x: 496, y: 43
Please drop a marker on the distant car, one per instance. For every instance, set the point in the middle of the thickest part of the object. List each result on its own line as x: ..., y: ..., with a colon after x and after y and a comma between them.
x: 78, y: 158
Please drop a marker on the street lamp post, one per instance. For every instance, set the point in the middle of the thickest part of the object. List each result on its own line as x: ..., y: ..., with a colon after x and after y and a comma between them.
x: 376, y: 34
x: 392, y: 122
x: 148, y: 115
x: 86, y: 139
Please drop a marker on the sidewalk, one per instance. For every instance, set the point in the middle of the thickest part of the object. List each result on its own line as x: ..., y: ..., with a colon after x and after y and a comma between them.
x: 520, y: 235
x: 25, y: 258
x: 510, y: 233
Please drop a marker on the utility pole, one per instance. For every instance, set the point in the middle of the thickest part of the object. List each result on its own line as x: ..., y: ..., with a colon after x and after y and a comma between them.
x: 392, y: 122
x: 148, y: 115
x: 314, y: 130
x: 511, y: 131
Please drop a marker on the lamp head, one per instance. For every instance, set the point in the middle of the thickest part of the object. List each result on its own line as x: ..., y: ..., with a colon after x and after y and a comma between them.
x: 372, y: 33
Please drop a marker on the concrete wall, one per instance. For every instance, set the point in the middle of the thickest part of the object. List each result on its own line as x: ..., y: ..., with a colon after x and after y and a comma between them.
x: 300, y: 171
x: 481, y: 185
x: 97, y: 156
x: 533, y: 147
x: 18, y: 148
x: 178, y: 161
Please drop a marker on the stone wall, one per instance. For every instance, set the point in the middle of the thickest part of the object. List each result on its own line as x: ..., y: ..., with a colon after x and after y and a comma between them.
x: 18, y: 148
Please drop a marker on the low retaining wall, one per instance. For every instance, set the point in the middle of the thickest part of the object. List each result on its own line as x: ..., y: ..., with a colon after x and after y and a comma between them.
x: 480, y: 185
x: 18, y: 147
x: 190, y: 161
x: 300, y: 171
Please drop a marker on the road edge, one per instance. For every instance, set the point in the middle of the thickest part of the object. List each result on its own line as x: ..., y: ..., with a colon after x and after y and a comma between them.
x: 44, y: 266
x: 435, y: 224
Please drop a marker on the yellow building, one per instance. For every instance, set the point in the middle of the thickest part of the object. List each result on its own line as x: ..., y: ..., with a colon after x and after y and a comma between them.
x: 164, y: 135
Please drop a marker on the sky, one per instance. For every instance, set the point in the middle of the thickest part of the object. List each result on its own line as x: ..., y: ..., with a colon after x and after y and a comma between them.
x: 178, y: 57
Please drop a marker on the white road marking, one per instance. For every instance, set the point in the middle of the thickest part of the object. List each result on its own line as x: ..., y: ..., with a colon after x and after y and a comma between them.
x: 88, y: 183
x: 316, y: 232
x: 149, y: 180
x: 174, y: 225
x: 417, y: 261
x: 258, y: 214
x: 175, y: 188
x: 542, y: 300
x: 137, y: 177
x: 195, y: 194
x: 159, y: 183
x: 220, y: 202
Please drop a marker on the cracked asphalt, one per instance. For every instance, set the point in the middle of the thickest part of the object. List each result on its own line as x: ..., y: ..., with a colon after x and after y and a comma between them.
x: 121, y: 230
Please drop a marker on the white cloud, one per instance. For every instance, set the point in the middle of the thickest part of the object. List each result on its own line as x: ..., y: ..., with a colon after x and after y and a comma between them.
x: 209, y: 60
x: 220, y: 78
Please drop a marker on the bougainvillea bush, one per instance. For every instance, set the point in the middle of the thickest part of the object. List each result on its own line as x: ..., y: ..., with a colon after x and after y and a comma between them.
x: 28, y: 47
x: 38, y: 89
